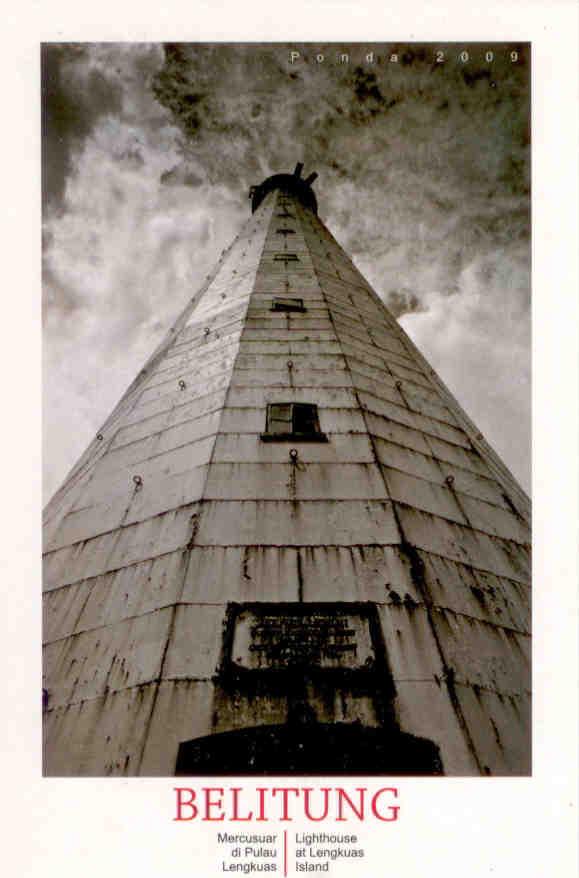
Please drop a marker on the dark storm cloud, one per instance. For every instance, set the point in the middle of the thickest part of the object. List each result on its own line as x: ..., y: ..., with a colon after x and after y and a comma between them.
x: 401, y: 302
x: 180, y: 176
x: 70, y: 110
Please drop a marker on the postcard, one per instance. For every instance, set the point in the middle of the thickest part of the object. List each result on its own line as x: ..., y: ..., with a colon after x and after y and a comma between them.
x: 288, y: 288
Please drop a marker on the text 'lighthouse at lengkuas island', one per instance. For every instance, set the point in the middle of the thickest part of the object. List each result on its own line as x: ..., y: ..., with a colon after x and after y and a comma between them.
x: 288, y: 549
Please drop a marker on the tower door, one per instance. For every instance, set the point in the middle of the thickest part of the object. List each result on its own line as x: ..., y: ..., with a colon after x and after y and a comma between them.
x: 337, y: 748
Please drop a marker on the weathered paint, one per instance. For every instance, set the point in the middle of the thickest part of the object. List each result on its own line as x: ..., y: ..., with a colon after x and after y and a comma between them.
x: 178, y: 508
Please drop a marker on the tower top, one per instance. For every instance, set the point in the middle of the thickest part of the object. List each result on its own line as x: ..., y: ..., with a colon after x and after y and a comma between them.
x: 291, y: 183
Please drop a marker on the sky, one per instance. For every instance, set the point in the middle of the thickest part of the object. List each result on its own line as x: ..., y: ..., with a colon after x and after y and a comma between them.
x: 148, y: 153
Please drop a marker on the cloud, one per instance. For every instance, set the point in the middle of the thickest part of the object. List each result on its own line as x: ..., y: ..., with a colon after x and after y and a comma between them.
x: 479, y: 343
x: 71, y: 106
x: 401, y: 302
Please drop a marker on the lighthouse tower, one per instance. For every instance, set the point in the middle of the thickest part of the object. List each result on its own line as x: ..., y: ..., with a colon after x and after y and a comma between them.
x: 288, y: 549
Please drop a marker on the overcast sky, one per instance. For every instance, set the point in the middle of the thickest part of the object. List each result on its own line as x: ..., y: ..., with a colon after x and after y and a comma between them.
x: 424, y: 168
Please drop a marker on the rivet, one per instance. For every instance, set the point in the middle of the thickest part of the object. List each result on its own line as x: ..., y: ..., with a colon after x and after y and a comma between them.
x: 99, y: 435
x: 399, y: 384
x: 290, y: 364
x: 182, y: 385
x: 138, y: 481
x: 293, y: 454
x: 206, y: 330
x: 449, y: 480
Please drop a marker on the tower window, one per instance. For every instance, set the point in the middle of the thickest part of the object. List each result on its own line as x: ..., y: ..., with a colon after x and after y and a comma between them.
x: 293, y: 420
x: 280, y: 304
x: 286, y: 257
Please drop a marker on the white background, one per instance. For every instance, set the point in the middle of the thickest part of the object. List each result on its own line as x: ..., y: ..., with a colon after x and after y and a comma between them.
x: 450, y: 827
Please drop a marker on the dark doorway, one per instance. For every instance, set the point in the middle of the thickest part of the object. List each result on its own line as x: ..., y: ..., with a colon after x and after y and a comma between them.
x: 318, y: 749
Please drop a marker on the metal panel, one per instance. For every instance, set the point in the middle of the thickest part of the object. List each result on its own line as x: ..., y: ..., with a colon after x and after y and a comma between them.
x: 116, y: 459
x: 195, y: 647
x: 217, y: 574
x: 289, y: 481
x: 291, y: 345
x: 482, y: 654
x: 479, y: 487
x: 297, y: 523
x: 427, y: 425
x: 498, y: 726
x: 147, y: 539
x: 382, y: 428
x: 163, y: 493
x: 413, y: 653
x: 89, y: 664
x: 461, y: 457
x: 265, y: 362
x: 408, y: 461
x: 475, y: 593
x: 83, y: 524
x: 500, y: 522
x: 183, y: 710
x: 104, y: 736
x: 184, y: 409
x: 355, y: 573
x: 248, y: 447
x: 457, y: 543
x: 295, y: 378
x: 133, y: 591
x: 258, y: 397
x: 61, y: 609
x: 174, y: 462
x: 424, y: 495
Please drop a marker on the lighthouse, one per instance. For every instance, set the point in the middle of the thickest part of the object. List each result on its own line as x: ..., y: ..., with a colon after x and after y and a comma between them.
x: 288, y: 549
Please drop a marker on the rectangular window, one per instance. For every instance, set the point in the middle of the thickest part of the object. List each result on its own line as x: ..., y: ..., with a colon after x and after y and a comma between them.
x: 280, y: 304
x: 286, y: 257
x: 296, y: 421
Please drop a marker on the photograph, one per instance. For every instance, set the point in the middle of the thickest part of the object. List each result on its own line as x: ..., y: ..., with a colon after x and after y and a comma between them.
x: 286, y: 388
